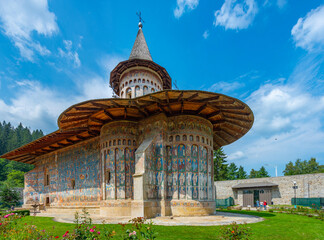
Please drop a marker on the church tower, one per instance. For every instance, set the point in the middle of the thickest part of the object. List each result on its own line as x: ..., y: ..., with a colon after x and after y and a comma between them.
x: 139, y: 75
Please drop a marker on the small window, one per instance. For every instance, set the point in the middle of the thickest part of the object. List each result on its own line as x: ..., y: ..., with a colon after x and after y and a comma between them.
x: 191, y: 138
x: 46, y: 179
x: 73, y: 183
x: 143, y: 80
x: 124, y: 142
x: 171, y: 139
x: 151, y: 82
x: 129, y: 142
x: 114, y: 143
x: 126, y: 83
x: 177, y: 138
x: 134, y: 143
x: 108, y: 177
x: 119, y: 141
x: 110, y: 143
x: 139, y: 80
x: 184, y: 138
x: 47, y: 201
x: 106, y: 144
x: 203, y: 140
x: 130, y: 82
x: 153, y: 90
x: 197, y: 139
x: 207, y: 141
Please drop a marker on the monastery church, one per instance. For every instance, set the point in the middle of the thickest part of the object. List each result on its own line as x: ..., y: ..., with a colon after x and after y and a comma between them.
x: 146, y: 152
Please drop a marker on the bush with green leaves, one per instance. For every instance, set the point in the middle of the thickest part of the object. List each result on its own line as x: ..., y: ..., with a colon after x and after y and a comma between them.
x: 235, y: 231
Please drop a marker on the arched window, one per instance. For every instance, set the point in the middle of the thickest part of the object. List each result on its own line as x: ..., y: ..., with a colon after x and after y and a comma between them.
x: 119, y: 141
x: 184, y: 138
x: 122, y: 94
x: 191, y: 138
x: 177, y: 138
x: 129, y: 93
x: 151, y: 82
x: 124, y: 142
x: 135, y: 80
x: 137, y: 91
x: 207, y: 140
x: 134, y: 143
x: 110, y: 143
x: 170, y: 138
x: 130, y: 82
x: 155, y: 84
x: 129, y: 142
x: 114, y: 143
x: 145, y: 90
x: 203, y: 140
x: 126, y: 83
x: 139, y: 80
x: 143, y: 81
x: 197, y: 138
x: 153, y: 90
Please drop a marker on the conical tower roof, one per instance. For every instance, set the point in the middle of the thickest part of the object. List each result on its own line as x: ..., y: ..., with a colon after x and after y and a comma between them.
x: 140, y: 49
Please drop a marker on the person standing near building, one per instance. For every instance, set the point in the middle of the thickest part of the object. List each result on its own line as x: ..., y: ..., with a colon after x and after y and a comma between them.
x: 257, y: 203
x: 265, y: 205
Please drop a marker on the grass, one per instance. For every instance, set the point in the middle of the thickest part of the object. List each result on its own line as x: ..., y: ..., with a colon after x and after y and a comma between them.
x: 275, y: 226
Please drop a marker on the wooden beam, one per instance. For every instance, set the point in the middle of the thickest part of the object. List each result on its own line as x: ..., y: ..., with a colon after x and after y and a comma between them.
x: 115, y: 104
x: 192, y: 97
x: 167, y: 97
x: 201, y: 108
x: 97, y: 120
x: 103, y: 106
x: 86, y: 109
x: 74, y: 119
x: 77, y: 114
x: 125, y: 113
x: 181, y: 106
x: 179, y: 97
x: 74, y: 124
x: 141, y: 109
x: 213, y: 114
x: 156, y: 99
x: 108, y: 114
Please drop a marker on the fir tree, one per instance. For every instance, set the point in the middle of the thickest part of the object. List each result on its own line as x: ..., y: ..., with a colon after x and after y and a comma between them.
x: 220, y: 166
x: 232, y: 172
x: 241, y: 174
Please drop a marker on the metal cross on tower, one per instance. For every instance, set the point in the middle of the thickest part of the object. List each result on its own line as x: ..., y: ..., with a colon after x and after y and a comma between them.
x: 140, y: 16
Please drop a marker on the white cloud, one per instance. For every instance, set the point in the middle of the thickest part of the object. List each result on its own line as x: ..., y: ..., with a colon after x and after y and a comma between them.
x: 183, y: 6
x: 39, y: 106
x: 308, y: 33
x: 226, y: 87
x: 206, y: 34
x: 235, y: 155
x: 234, y: 15
x: 71, y: 55
x: 19, y: 19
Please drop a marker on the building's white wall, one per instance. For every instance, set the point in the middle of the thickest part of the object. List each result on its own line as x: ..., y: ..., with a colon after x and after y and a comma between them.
x: 309, y: 186
x: 139, y: 82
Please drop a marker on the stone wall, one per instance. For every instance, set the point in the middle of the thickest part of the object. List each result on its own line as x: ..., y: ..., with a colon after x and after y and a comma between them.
x: 309, y: 186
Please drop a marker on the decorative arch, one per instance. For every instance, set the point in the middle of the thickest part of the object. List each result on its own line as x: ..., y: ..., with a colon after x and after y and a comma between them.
x: 137, y: 91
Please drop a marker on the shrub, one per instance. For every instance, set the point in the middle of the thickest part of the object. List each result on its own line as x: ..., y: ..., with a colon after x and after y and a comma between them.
x: 235, y: 232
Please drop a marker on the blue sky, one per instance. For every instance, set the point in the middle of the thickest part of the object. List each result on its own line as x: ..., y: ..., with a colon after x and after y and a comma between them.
x: 269, y: 54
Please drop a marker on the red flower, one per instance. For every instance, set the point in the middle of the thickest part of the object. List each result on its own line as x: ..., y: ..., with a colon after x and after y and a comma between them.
x: 57, y: 237
x: 233, y: 231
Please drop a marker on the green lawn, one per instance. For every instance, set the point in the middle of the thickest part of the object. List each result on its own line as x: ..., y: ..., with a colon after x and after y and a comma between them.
x: 276, y: 226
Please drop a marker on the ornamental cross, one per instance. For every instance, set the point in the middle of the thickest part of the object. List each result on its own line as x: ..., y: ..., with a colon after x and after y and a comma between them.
x: 140, y: 16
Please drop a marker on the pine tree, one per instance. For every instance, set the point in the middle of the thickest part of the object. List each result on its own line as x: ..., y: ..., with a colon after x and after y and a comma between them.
x: 232, y: 172
x: 241, y: 174
x: 253, y: 173
x: 220, y: 166
x: 262, y: 173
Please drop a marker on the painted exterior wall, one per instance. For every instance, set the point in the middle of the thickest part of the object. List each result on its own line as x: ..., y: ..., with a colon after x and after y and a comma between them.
x: 79, y: 163
x: 309, y: 185
x: 158, y: 166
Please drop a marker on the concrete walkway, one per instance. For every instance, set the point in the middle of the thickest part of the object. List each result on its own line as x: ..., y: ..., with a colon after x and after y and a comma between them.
x: 220, y: 218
